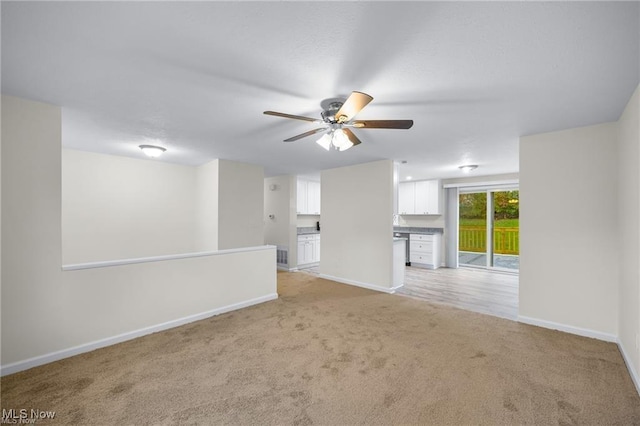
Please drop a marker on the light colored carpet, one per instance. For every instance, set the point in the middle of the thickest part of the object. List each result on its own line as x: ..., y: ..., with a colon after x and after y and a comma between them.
x: 327, y: 353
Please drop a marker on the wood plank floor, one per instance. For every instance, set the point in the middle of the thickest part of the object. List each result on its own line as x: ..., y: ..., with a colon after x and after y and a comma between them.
x: 479, y: 290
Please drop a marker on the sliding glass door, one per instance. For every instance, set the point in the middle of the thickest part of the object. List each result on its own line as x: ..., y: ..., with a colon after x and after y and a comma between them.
x: 488, y: 229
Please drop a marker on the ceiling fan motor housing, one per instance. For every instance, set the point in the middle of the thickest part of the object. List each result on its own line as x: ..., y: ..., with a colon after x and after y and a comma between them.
x: 330, y: 108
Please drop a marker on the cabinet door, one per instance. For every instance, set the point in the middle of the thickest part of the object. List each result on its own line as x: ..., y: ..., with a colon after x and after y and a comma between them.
x: 313, y: 197
x: 406, y: 198
x: 433, y: 196
x: 421, y: 197
x: 302, y: 196
x: 316, y: 249
x: 301, y: 253
x: 308, y: 252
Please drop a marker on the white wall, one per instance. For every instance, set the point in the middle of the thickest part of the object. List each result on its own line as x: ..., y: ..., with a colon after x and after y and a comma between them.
x: 47, y: 313
x: 629, y: 230
x: 240, y: 205
x: 117, y: 207
x: 1, y: 241
x: 277, y: 202
x: 568, y: 229
x: 357, y: 224
x: 206, y: 238
x: 281, y: 203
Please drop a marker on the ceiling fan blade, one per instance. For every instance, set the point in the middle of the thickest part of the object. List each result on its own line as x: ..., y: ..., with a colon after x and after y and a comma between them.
x: 353, y: 105
x: 305, y: 134
x: 295, y: 117
x: 383, y: 124
x: 352, y: 137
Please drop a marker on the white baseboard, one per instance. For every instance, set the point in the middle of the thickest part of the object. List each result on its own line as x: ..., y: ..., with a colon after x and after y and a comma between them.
x: 627, y: 360
x: 284, y: 268
x: 569, y: 329
x: 88, y: 347
x: 389, y: 290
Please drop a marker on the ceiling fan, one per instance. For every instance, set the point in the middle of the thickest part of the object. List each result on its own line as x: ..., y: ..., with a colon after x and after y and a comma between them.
x: 338, y: 119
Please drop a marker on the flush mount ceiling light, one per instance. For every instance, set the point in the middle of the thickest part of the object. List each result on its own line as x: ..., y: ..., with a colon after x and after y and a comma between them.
x: 467, y: 168
x: 152, y: 151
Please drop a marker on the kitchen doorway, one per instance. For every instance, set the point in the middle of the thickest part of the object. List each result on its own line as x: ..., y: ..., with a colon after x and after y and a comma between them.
x: 488, y: 229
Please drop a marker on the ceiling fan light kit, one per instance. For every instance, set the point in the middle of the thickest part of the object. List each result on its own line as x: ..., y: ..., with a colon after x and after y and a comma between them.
x: 338, y: 117
x: 325, y: 141
x: 336, y: 139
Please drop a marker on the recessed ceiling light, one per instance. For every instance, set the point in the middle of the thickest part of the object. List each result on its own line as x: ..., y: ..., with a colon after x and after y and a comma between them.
x: 152, y: 150
x: 467, y: 168
x: 409, y: 178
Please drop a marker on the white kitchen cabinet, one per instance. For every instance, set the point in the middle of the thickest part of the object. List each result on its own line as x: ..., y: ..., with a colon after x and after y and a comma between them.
x: 308, y: 193
x: 421, y: 195
x: 301, y: 196
x: 308, y: 249
x: 424, y: 250
x: 313, y: 197
x: 434, y: 196
x: 406, y: 198
x: 419, y: 198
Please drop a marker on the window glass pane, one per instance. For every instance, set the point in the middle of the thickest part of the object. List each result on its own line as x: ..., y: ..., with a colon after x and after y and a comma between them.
x: 472, y: 249
x: 506, y: 229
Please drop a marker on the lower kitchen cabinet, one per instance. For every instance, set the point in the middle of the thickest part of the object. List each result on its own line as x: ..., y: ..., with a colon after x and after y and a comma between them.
x: 308, y: 249
x: 424, y: 250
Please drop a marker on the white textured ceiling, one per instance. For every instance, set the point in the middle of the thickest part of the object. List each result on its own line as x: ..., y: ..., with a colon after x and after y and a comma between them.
x: 196, y: 76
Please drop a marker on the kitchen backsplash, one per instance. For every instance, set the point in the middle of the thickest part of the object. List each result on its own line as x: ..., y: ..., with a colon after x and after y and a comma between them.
x: 307, y: 220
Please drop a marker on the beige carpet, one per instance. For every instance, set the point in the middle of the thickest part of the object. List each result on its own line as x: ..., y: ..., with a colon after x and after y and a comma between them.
x: 327, y: 353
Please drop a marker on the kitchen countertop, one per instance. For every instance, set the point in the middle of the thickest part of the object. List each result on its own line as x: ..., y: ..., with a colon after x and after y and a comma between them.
x: 306, y: 230
x: 417, y: 230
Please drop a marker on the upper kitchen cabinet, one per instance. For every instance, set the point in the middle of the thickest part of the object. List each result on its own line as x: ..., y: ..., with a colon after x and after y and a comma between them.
x: 308, y: 197
x: 420, y: 197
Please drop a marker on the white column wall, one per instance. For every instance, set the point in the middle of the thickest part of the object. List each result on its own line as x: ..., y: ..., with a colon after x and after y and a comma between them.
x: 568, y: 230
x: 629, y: 231
x: 357, y: 225
x: 240, y: 205
x: 206, y: 238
